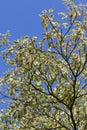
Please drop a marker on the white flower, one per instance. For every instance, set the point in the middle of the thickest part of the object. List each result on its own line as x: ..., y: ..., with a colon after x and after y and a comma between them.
x: 38, y: 83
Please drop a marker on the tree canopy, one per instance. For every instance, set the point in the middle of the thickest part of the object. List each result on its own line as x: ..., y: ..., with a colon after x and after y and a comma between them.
x: 46, y: 85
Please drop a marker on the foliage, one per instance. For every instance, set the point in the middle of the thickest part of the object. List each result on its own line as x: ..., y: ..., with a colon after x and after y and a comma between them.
x: 47, y: 83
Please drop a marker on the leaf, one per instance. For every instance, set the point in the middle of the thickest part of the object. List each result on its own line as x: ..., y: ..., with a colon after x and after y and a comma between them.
x: 50, y: 10
x: 85, y: 20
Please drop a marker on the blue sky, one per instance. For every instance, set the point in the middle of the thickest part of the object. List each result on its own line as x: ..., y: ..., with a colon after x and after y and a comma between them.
x: 21, y: 17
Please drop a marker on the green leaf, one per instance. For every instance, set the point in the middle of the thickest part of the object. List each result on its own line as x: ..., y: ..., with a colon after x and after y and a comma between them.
x: 50, y: 10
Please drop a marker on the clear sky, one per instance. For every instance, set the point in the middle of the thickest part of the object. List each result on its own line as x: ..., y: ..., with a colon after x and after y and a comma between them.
x: 21, y: 17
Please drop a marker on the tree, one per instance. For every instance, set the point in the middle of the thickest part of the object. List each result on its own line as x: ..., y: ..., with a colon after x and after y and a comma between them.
x: 47, y: 82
